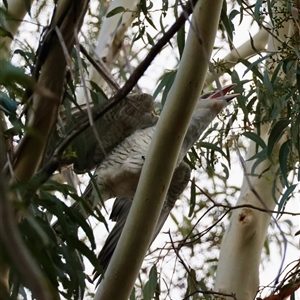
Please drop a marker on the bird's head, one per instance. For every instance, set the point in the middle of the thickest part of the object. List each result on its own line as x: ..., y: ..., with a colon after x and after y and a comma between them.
x: 221, y: 93
x: 208, y: 106
x: 216, y: 100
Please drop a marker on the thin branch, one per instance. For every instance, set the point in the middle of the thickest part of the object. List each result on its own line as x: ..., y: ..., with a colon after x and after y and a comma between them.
x: 101, y: 69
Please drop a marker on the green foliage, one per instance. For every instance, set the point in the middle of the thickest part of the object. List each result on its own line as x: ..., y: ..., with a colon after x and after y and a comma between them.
x: 115, y: 11
x: 151, y: 287
x: 60, y: 251
x: 269, y: 96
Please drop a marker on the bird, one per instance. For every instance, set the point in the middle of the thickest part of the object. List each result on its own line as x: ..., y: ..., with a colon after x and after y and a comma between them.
x: 118, y: 175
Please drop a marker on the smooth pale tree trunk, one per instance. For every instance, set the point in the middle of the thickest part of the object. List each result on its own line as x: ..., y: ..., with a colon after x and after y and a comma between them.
x: 109, y: 42
x: 240, y: 255
x: 162, y: 155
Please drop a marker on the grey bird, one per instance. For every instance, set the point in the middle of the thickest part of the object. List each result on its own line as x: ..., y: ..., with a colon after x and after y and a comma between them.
x: 118, y: 175
x: 119, y: 172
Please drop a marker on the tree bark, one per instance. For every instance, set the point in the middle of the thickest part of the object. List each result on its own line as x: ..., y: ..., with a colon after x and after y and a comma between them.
x: 42, y: 112
x: 13, y: 17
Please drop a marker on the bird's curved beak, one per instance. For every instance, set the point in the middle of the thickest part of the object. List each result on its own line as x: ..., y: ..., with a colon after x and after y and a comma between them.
x: 223, y: 93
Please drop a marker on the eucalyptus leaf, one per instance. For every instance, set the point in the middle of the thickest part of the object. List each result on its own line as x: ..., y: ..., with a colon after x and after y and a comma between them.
x: 285, y: 197
x: 255, y: 138
x: 192, y: 198
x: 5, y: 33
x: 181, y: 40
x: 276, y: 134
x: 284, y: 153
x: 257, y: 9
x: 211, y: 147
x: 151, y: 284
x: 115, y: 11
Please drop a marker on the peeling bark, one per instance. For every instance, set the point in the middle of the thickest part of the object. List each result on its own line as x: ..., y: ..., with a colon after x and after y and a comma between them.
x: 110, y: 40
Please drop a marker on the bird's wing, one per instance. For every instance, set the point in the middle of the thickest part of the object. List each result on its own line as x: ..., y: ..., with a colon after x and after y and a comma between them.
x: 118, y: 173
x: 131, y: 113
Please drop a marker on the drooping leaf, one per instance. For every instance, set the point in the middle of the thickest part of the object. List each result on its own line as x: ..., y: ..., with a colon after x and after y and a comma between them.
x: 28, y: 6
x: 226, y: 171
x: 284, y: 153
x: 211, y: 147
x: 52, y: 185
x: 77, y: 216
x: 150, y: 40
x: 191, y: 283
x: 5, y: 33
x: 255, y: 138
x: 267, y: 83
x: 276, y: 134
x: 115, y: 11
x: 7, y: 105
x: 192, y: 198
x: 254, y: 66
x: 132, y: 295
x: 10, y: 75
x: 285, y: 197
x: 150, y: 22
x: 166, y: 83
x: 270, y: 11
x: 228, y: 25
x: 181, y: 40
x: 259, y: 158
x: 5, y: 4
x: 257, y: 9
x: 28, y: 56
x: 151, y: 284
x: 84, y: 250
